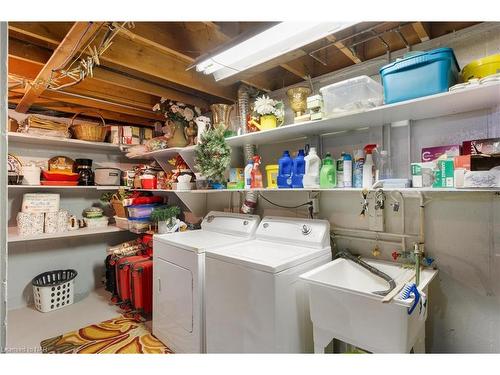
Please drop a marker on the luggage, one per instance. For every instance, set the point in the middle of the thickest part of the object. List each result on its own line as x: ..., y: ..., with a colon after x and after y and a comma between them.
x: 123, y: 266
x: 141, y: 286
x: 110, y: 285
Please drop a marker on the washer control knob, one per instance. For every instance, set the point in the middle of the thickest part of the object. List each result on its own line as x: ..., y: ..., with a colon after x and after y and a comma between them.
x: 265, y: 225
x: 306, y: 229
x: 245, y: 222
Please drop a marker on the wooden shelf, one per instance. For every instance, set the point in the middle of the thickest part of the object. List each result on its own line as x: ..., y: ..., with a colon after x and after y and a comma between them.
x: 43, y: 187
x: 61, y: 142
x: 13, y: 235
x: 449, y: 103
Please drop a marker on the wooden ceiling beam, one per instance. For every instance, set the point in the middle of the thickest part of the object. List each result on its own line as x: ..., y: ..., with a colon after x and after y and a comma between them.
x: 142, y: 59
x: 344, y: 49
x: 77, y: 36
x: 422, y: 29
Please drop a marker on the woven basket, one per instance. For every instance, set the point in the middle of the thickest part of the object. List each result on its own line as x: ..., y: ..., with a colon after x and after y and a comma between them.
x: 120, y: 210
x: 89, y: 131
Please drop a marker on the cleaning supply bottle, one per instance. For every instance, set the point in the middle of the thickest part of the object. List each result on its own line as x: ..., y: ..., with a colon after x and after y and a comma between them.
x: 347, y: 170
x: 256, y: 174
x: 328, y: 173
x: 248, y: 174
x: 369, y: 167
x: 285, y: 164
x: 383, y: 163
x: 340, y: 171
x: 357, y: 170
x: 312, y: 167
x: 298, y: 170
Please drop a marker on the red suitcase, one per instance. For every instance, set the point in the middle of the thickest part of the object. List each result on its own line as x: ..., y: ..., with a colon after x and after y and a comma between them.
x: 123, y: 266
x: 141, y: 286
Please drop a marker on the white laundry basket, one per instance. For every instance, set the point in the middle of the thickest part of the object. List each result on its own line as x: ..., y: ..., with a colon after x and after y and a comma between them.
x: 54, y: 289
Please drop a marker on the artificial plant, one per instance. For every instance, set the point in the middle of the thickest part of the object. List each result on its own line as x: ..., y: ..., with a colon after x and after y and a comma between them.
x: 165, y: 213
x: 213, y: 155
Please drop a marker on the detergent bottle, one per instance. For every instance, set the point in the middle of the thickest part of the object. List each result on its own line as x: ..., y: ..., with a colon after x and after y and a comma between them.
x: 369, y: 167
x: 328, y: 173
x: 298, y: 170
x: 312, y: 167
x: 256, y: 174
x: 347, y: 170
x: 357, y: 169
x: 285, y: 164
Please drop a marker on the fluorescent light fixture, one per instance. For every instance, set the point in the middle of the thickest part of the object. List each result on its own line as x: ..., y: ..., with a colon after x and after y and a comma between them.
x: 269, y: 44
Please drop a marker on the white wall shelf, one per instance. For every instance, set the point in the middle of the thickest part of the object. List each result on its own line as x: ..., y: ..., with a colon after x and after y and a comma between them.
x: 62, y: 142
x: 13, y: 235
x: 43, y: 187
x: 449, y: 103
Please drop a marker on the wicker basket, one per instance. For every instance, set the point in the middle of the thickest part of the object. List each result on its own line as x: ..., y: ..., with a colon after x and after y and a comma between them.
x: 89, y: 131
x: 120, y: 210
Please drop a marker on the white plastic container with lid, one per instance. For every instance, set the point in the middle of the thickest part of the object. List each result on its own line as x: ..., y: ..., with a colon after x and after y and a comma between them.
x: 312, y: 167
x: 352, y: 95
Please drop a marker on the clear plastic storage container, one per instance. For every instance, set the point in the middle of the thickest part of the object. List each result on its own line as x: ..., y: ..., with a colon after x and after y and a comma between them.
x: 141, y: 211
x: 139, y: 225
x: 352, y: 95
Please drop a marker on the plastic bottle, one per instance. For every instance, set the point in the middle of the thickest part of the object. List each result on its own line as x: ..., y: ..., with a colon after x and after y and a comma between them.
x: 256, y: 174
x: 298, y: 170
x: 383, y: 164
x: 285, y: 164
x: 248, y: 174
x: 340, y: 171
x: 347, y: 173
x: 357, y: 170
x: 312, y: 167
x: 328, y: 173
x: 369, y: 167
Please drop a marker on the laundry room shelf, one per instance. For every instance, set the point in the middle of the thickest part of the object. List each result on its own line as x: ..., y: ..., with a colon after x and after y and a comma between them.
x: 43, y: 187
x: 449, y: 103
x: 61, y: 142
x: 13, y: 235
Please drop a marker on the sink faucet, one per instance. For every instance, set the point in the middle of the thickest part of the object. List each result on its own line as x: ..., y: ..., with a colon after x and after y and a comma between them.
x: 415, y: 258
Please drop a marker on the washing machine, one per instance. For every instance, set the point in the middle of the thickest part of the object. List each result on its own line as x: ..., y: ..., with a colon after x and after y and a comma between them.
x: 255, y: 301
x: 178, y: 275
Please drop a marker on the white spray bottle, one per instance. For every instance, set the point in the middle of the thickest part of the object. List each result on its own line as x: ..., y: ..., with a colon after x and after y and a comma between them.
x: 369, y: 167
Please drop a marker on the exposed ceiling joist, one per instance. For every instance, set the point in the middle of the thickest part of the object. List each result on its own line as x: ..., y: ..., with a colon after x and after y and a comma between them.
x: 344, y: 49
x: 422, y: 30
x: 78, y: 35
x: 140, y: 58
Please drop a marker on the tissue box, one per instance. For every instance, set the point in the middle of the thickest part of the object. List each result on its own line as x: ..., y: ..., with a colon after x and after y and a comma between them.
x: 422, y: 174
x: 444, y: 175
x: 482, y: 179
x: 432, y: 153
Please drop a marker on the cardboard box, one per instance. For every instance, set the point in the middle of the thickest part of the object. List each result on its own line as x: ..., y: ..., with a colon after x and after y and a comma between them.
x: 422, y: 174
x: 487, y: 146
x: 444, y: 174
x: 462, y: 161
x: 433, y: 153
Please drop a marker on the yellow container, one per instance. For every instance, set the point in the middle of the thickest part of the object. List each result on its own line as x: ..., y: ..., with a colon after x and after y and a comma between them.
x: 272, y: 176
x: 482, y: 67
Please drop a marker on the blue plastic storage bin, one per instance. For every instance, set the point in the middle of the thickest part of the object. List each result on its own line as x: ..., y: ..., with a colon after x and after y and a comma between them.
x: 422, y: 74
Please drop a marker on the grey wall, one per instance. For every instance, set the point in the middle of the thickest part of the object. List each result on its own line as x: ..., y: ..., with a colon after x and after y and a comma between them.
x: 462, y: 229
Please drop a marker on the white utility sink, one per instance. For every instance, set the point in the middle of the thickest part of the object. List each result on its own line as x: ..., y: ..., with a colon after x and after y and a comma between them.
x: 343, y: 306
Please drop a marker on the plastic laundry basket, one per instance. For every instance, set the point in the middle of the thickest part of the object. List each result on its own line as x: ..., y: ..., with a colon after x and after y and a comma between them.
x: 54, y: 289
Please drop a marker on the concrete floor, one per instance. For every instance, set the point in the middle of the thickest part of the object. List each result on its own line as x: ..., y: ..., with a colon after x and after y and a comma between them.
x: 27, y: 327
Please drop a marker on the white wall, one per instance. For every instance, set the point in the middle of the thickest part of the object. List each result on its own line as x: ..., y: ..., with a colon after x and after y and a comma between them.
x: 462, y: 229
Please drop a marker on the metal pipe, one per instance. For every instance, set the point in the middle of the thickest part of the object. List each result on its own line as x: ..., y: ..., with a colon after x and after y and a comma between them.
x: 371, y: 240
x: 366, y: 231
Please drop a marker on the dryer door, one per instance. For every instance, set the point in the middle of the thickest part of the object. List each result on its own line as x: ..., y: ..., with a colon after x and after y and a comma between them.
x: 173, y: 306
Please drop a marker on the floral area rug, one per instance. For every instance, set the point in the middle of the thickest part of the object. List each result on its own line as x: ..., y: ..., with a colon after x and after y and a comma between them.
x: 122, y: 335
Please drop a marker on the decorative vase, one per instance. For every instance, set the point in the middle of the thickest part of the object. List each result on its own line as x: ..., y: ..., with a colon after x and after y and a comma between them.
x: 178, y: 138
x: 298, y: 99
x: 268, y: 122
x: 221, y: 114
